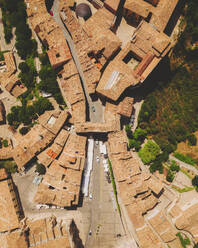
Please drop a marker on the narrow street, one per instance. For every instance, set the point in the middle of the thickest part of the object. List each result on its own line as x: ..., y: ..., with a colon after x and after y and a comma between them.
x: 96, y: 104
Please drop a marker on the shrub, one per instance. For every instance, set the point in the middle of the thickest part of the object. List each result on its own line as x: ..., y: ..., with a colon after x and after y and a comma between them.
x: 184, y: 242
x: 170, y: 176
x: 195, y: 181
x: 140, y: 134
x: 128, y: 131
x: 134, y: 144
x: 23, y: 130
x: 40, y: 169
x: 174, y: 166
x: 9, y: 165
x: 149, y: 152
x: 5, y: 143
x: 156, y: 165
x: 192, y: 140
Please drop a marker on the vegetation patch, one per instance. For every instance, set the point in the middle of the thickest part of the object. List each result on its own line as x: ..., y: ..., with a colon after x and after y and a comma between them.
x: 5, y: 143
x: 9, y: 165
x: 185, y: 171
x: 40, y: 169
x: 186, y: 189
x: 185, y: 158
x: 170, y: 113
x: 27, y: 113
x: 135, y: 139
x: 48, y: 81
x: 114, y: 186
x: 149, y: 152
x: 14, y: 15
x: 184, y: 241
x: 195, y: 182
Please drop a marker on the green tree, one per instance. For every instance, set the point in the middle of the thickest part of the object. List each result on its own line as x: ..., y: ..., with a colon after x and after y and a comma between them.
x: 156, y: 165
x: 40, y: 169
x: 5, y: 143
x: 41, y: 105
x: 23, y: 31
x: 149, y: 152
x: 174, y: 166
x: 128, y: 131
x: 192, y: 140
x: 23, y: 130
x: 140, y: 134
x: 134, y: 144
x: 170, y: 176
x: 23, y: 66
x: 10, y: 119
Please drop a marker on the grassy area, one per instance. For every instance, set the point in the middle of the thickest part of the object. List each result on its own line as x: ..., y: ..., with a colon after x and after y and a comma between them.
x: 186, y: 189
x: 184, y: 242
x: 9, y: 165
x: 185, y: 158
x: 186, y: 173
x: 114, y: 186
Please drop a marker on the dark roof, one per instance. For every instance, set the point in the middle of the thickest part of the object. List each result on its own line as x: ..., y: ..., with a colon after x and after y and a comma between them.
x: 83, y: 10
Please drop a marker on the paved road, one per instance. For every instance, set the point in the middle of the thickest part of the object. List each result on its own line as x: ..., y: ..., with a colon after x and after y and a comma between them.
x: 94, y: 116
x: 105, y: 221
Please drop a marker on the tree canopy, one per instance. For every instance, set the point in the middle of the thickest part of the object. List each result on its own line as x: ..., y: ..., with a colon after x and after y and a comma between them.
x: 149, y: 152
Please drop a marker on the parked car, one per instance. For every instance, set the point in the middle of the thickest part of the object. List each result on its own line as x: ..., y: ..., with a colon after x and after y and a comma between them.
x: 90, y: 232
x: 97, y: 159
x: 97, y: 142
x: 108, y: 178
x: 51, y: 13
x: 93, y: 109
x: 90, y: 196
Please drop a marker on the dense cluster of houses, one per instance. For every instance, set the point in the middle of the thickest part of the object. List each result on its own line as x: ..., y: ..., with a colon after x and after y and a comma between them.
x: 108, y: 70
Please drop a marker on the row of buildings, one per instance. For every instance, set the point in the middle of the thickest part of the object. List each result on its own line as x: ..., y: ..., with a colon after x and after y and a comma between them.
x: 8, y: 78
x: 141, y: 192
x: 19, y: 232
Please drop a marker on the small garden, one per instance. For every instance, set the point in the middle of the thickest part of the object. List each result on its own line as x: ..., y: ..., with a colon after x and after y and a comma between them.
x: 9, y: 165
x: 185, y: 241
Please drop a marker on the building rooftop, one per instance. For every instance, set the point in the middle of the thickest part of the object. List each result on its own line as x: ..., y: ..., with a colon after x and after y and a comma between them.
x: 83, y: 10
x: 47, y: 233
x: 61, y: 183
x: 49, y: 155
x: 140, y: 7
x: 135, y: 61
x: 41, y: 136
x: 10, y: 211
x: 13, y: 239
x: 49, y: 32
x: 10, y: 62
